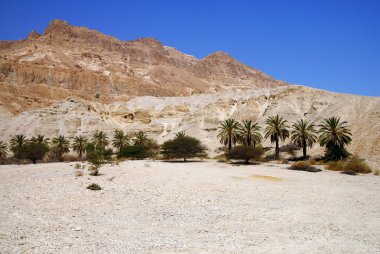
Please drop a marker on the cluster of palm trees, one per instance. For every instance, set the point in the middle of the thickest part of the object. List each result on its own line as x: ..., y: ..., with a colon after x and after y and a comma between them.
x: 332, y: 133
x: 60, y: 144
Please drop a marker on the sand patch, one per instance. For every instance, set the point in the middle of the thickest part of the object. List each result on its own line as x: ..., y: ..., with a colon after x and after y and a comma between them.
x: 268, y: 178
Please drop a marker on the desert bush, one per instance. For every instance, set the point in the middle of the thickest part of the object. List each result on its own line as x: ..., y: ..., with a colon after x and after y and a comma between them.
x: 94, y: 187
x: 245, y: 153
x: 354, y: 164
x: 304, y: 166
x: 376, y: 172
x: 95, y: 157
x: 183, y: 147
x: 78, y: 173
x: 78, y: 166
x: 284, y: 161
x: 133, y: 152
x: 221, y: 158
x: 70, y: 158
x: 336, y: 153
x: 357, y: 165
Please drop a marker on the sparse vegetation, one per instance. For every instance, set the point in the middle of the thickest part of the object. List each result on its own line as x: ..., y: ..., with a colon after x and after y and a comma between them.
x: 120, y: 139
x: 304, y: 135
x: 304, y: 166
x: 61, y: 145
x: 94, y: 187
x: 16, y: 144
x: 354, y: 164
x: 79, y: 145
x: 245, y: 153
x: 100, y: 139
x: 229, y: 132
x: 33, y: 151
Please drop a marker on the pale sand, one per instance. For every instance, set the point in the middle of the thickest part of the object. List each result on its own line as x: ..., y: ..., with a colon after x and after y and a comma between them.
x: 199, y: 207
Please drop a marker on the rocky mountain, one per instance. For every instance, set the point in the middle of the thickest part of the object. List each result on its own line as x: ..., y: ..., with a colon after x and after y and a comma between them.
x: 50, y: 83
x: 67, y: 60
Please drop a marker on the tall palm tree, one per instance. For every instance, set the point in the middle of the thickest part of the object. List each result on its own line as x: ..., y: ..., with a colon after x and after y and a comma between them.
x: 79, y: 144
x: 100, y: 139
x: 334, y: 133
x: 17, y: 142
x: 40, y: 139
x: 120, y: 139
x: 140, y: 139
x: 61, y: 145
x: 249, y: 133
x: 3, y: 149
x: 304, y: 135
x: 229, y: 132
x: 277, y: 130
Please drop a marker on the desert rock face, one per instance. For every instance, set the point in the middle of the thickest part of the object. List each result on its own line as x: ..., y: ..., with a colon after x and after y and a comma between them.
x: 50, y: 83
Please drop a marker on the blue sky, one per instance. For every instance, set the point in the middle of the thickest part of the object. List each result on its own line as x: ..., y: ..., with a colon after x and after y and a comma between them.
x: 332, y: 45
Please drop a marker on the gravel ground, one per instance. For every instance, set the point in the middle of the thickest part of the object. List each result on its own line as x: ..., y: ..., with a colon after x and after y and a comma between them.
x: 195, y: 207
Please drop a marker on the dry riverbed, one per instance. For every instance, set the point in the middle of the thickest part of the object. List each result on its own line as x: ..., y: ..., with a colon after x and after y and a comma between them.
x: 196, y: 207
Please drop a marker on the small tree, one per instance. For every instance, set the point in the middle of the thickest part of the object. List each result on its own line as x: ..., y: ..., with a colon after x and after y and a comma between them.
x: 183, y: 147
x: 95, y: 157
x: 79, y: 145
x: 245, y: 153
x: 33, y: 151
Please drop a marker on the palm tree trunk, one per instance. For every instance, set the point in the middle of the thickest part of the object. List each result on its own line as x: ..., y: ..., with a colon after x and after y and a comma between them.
x: 304, y: 148
x: 80, y: 154
x: 229, y: 142
x: 248, y: 141
x: 277, y: 149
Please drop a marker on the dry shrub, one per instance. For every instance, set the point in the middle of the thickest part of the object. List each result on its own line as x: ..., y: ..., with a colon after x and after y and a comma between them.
x: 70, y: 158
x: 357, y: 165
x: 353, y: 165
x: 94, y: 187
x: 304, y: 166
x: 220, y: 158
x: 78, y: 166
x: 284, y: 161
x: 376, y: 172
x: 78, y: 173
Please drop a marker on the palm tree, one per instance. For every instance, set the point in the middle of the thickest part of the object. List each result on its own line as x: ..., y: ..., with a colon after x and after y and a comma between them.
x: 40, y: 139
x: 229, y: 132
x: 100, y: 139
x: 334, y: 133
x: 304, y: 135
x: 61, y: 145
x: 249, y: 133
x: 3, y: 149
x: 180, y: 134
x: 17, y: 142
x: 79, y: 145
x: 277, y: 130
x: 140, y: 139
x: 120, y: 139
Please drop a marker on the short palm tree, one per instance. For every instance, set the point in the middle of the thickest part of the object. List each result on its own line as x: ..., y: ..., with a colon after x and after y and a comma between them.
x: 61, y: 145
x: 304, y: 135
x: 334, y: 133
x: 3, y: 149
x: 277, y: 130
x: 16, y: 144
x: 229, y: 132
x: 40, y: 139
x: 180, y: 134
x: 120, y: 139
x: 79, y: 145
x: 140, y: 139
x: 100, y: 139
x: 249, y: 133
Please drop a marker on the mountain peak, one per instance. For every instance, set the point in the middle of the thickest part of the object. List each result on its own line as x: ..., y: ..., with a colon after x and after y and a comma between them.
x: 33, y: 35
x: 220, y: 55
x: 56, y: 25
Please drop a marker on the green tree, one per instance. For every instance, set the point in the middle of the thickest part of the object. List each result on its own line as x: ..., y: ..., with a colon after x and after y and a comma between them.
x: 304, y: 135
x: 140, y: 139
x: 334, y: 135
x: 184, y: 147
x: 249, y: 133
x: 277, y: 130
x: 17, y: 142
x: 61, y: 145
x: 229, y: 132
x: 120, y: 139
x: 3, y: 150
x: 245, y: 153
x: 100, y: 138
x: 34, y: 151
x: 79, y: 145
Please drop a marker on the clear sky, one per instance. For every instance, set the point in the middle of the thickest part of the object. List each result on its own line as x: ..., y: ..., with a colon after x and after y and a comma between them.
x: 327, y: 44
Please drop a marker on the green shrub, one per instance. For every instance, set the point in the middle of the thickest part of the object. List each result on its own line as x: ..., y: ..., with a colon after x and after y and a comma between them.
x: 245, y: 153
x: 336, y: 153
x: 336, y: 165
x: 133, y: 152
x: 304, y: 166
x: 33, y: 151
x: 94, y: 187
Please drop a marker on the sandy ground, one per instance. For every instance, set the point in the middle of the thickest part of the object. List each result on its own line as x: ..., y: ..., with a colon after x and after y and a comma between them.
x: 199, y: 207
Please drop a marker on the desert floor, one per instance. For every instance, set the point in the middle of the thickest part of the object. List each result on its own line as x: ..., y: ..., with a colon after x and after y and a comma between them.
x: 195, y: 207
